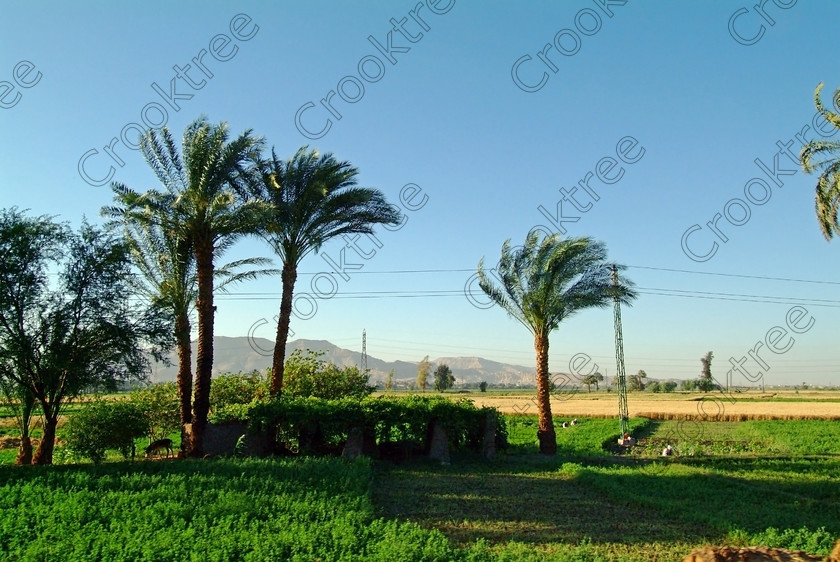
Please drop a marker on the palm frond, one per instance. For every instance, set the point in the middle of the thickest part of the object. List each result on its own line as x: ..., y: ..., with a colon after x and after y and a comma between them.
x: 546, y: 281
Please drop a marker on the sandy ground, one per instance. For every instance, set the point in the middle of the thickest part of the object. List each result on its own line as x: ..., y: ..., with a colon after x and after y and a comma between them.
x: 712, y: 406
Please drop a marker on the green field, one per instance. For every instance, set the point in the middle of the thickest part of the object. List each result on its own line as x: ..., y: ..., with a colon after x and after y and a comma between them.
x: 588, y: 503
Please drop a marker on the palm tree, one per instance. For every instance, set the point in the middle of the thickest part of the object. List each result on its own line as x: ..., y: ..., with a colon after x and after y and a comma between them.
x: 163, y: 255
x: 637, y: 381
x: 201, y: 210
x: 828, y: 184
x: 543, y: 283
x: 313, y: 198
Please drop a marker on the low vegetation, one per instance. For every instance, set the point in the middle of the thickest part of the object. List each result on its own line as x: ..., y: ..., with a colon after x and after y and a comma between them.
x: 592, y: 501
x: 302, y: 509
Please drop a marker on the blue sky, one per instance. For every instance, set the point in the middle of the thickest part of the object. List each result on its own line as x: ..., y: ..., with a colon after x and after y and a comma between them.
x: 701, y: 98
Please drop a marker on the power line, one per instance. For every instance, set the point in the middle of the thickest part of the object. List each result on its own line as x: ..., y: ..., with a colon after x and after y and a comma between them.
x: 657, y: 291
x: 766, y: 278
x: 672, y: 270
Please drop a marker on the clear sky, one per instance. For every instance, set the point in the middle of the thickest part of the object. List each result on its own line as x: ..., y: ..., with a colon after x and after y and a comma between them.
x: 652, y: 117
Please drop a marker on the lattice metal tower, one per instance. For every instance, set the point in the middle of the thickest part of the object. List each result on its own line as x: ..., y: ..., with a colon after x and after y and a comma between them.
x: 363, y: 366
x: 623, y: 414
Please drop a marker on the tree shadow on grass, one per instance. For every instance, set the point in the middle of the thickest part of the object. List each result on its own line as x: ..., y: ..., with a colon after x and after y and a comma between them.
x: 530, y: 504
x: 534, y: 502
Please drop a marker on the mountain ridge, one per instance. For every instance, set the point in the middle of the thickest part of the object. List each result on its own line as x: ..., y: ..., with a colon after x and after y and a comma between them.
x: 235, y: 354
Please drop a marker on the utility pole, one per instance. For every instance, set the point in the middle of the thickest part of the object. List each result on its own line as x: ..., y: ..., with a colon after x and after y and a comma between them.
x: 623, y: 412
x: 363, y: 366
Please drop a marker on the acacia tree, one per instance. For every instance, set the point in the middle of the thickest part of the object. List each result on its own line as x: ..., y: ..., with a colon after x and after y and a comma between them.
x: 423, y: 373
x: 594, y: 378
x: 20, y: 400
x: 312, y: 198
x: 828, y: 184
x: 545, y: 282
x: 205, y: 205
x: 81, y: 332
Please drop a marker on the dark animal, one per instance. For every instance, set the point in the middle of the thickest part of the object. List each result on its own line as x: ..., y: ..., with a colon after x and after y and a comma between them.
x: 158, y: 446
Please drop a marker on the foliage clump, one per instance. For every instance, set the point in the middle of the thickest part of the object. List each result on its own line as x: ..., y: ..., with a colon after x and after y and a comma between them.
x: 238, y: 388
x: 308, y: 375
x: 103, y: 425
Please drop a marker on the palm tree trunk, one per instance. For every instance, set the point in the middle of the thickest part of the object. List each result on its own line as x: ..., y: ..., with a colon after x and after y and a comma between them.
x: 289, y: 276
x: 44, y: 454
x: 204, y: 356
x: 545, y: 433
x: 182, y: 337
x: 24, y: 455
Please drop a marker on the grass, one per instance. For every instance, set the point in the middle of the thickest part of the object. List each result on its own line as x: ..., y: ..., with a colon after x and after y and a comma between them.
x: 750, y: 438
x: 588, y: 438
x: 628, y: 508
x: 740, y: 483
x: 527, y: 506
x: 226, y: 510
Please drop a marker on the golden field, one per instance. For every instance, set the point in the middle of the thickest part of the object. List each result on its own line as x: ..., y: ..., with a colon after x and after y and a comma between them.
x: 819, y: 404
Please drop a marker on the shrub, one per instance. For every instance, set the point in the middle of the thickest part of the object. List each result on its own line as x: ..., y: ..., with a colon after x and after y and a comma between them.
x: 688, y: 385
x: 310, y: 376
x: 816, y: 541
x: 300, y: 421
x: 482, y: 386
x: 237, y: 388
x: 655, y: 386
x: 669, y: 386
x: 160, y: 406
x: 706, y: 385
x: 103, y: 425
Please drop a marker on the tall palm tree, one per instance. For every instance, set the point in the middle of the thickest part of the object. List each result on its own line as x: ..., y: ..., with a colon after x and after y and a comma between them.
x: 163, y: 255
x: 828, y: 184
x: 202, y: 207
x: 545, y: 282
x: 313, y: 198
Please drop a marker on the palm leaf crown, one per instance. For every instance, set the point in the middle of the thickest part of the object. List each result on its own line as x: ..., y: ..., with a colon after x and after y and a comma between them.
x: 314, y: 198
x: 546, y: 281
x: 827, y: 198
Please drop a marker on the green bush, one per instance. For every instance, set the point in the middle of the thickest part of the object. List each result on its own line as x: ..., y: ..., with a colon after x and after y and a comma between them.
x: 655, y: 387
x: 669, y: 386
x: 237, y: 388
x: 103, y: 425
x: 706, y: 385
x: 160, y: 406
x: 688, y: 385
x: 300, y: 420
x: 310, y: 376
